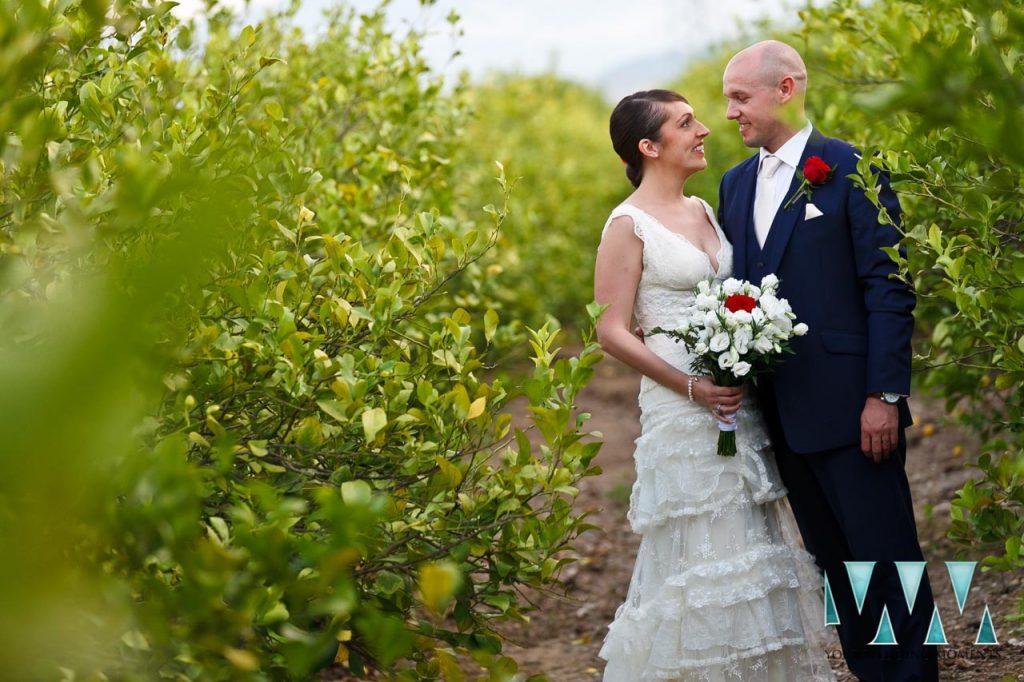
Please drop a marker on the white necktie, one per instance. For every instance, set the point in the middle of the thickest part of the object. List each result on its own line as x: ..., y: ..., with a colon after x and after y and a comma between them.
x: 765, y: 205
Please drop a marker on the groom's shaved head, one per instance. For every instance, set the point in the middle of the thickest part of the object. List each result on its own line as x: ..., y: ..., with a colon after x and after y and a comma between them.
x: 772, y: 61
x: 765, y: 85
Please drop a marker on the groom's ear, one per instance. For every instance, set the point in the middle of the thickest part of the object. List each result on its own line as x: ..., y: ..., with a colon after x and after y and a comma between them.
x: 787, y: 88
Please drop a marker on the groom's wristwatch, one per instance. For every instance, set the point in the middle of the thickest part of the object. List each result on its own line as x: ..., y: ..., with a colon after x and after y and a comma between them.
x: 890, y: 398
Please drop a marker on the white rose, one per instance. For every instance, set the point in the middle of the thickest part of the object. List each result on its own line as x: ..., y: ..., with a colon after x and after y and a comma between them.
x: 741, y: 340
x: 769, y: 282
x: 800, y: 329
x: 762, y: 344
x: 711, y: 320
x: 757, y: 316
x: 731, y: 286
x: 701, y: 348
x: 742, y: 317
x: 706, y: 302
x: 741, y: 369
x: 726, y: 361
x: 770, y: 305
x: 719, y: 342
x: 704, y: 287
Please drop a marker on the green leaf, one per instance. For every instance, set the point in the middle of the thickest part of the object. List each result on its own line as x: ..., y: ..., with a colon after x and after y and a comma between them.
x: 248, y: 36
x: 356, y: 493
x: 336, y: 410
x: 274, y: 110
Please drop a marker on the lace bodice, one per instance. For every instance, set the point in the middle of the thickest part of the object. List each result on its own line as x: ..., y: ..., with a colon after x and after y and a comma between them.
x: 672, y: 268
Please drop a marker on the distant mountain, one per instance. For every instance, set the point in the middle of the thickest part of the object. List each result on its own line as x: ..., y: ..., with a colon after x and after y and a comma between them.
x: 656, y: 71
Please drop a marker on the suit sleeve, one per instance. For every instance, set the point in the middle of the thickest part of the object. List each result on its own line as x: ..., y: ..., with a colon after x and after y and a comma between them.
x: 889, y: 301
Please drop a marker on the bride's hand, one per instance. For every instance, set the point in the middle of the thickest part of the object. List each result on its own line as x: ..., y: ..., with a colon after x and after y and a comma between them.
x: 721, y: 401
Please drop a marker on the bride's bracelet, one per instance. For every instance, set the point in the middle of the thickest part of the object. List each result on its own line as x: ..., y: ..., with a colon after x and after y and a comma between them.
x: 689, y: 385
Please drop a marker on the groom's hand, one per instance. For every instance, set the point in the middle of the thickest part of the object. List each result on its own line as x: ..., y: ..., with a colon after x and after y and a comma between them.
x: 879, y: 429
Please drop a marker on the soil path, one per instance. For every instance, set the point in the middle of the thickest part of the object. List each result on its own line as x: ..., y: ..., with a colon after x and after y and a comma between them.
x: 565, y: 633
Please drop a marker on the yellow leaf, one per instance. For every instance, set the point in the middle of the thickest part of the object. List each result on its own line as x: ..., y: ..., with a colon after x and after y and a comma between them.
x: 241, y: 659
x: 490, y: 324
x: 438, y: 582
x: 460, y: 400
x: 477, y: 408
x: 449, y: 471
x: 198, y: 439
x: 449, y: 666
x: 373, y: 421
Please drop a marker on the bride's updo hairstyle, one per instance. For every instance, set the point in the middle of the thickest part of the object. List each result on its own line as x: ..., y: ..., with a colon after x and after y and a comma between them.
x: 636, y: 117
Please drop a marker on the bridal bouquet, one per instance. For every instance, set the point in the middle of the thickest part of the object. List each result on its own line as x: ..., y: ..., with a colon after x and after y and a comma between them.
x: 735, y: 330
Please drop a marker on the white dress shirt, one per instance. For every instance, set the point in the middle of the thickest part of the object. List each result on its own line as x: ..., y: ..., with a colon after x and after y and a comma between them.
x: 789, y: 154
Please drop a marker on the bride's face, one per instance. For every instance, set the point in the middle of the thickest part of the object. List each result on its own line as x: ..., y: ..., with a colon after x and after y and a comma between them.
x: 682, y: 138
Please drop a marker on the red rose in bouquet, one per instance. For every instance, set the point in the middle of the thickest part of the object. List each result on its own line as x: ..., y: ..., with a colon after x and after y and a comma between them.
x: 738, y: 302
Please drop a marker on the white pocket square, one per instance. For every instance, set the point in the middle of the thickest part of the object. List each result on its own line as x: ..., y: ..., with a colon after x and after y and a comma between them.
x: 811, y: 211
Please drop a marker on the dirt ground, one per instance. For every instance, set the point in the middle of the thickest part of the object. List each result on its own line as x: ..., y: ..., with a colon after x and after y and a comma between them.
x: 563, y: 637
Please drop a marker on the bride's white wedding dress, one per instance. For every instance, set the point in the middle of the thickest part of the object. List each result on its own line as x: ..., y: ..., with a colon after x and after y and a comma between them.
x: 721, y: 590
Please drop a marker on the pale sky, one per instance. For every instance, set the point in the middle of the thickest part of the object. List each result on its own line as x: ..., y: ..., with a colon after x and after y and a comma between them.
x: 582, y: 39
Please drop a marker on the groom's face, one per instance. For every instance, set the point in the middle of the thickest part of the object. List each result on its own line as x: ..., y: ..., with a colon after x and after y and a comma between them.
x: 752, y: 104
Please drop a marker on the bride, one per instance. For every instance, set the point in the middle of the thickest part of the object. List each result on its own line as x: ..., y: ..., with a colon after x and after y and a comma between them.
x: 720, y: 590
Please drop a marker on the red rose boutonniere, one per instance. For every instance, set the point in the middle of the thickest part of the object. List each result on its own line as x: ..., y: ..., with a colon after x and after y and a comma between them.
x: 816, y: 173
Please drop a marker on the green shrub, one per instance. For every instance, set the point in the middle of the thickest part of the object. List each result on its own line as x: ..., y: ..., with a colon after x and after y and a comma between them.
x: 552, y: 136
x: 248, y: 428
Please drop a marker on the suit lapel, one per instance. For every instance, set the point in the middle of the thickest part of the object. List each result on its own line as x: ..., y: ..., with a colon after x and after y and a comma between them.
x: 786, y: 220
x: 745, y: 215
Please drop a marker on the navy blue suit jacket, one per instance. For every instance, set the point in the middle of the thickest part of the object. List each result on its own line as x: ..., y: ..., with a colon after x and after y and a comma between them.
x: 839, y: 282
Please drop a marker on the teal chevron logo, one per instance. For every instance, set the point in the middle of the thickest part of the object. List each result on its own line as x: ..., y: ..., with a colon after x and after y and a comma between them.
x: 911, y: 574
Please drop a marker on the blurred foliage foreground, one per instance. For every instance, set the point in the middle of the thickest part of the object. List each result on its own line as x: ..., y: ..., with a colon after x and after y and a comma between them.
x: 249, y: 420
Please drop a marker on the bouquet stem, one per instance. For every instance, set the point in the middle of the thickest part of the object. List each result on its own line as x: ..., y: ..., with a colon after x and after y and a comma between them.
x: 727, y: 438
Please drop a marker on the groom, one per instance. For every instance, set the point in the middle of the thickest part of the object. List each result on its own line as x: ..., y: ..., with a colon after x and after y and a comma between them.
x: 836, y: 409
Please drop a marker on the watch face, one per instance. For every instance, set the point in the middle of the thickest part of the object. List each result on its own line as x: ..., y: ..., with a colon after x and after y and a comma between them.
x: 891, y: 398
